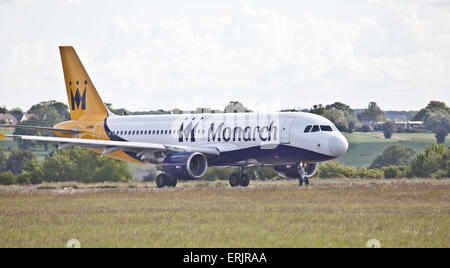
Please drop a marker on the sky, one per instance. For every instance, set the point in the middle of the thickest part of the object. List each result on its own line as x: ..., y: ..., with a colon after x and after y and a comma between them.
x: 270, y: 55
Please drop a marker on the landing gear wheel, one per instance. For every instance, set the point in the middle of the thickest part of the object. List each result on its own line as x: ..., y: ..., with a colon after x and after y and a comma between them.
x: 234, y: 180
x: 245, y: 180
x: 300, y: 181
x: 172, y: 182
x: 162, y: 180
x: 306, y: 181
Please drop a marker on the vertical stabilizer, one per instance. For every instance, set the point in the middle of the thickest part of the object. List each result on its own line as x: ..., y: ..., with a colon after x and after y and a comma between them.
x: 84, y: 102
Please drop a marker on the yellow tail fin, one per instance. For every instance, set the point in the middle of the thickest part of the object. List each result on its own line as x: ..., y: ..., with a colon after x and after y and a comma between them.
x: 84, y: 102
x: 2, y: 136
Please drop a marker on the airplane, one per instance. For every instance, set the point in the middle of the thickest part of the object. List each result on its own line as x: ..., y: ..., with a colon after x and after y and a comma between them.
x: 184, y: 146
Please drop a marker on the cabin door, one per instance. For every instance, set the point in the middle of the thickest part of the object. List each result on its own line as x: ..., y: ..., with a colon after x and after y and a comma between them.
x: 286, y: 130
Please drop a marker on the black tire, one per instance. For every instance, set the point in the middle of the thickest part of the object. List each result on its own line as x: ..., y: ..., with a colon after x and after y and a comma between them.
x: 161, y: 180
x: 306, y: 181
x: 234, y: 180
x: 300, y: 182
x: 244, y: 180
x: 172, y: 181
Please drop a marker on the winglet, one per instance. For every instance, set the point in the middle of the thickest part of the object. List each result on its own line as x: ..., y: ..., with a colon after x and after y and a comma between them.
x: 2, y: 136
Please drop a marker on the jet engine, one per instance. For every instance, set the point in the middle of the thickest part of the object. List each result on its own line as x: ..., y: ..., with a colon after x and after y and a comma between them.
x: 290, y: 171
x: 185, y: 165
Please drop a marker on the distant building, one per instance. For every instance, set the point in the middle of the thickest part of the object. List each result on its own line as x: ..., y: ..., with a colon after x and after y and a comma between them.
x: 27, y: 117
x: 203, y: 110
x: 8, y: 119
x: 236, y: 107
x: 416, y: 124
x: 207, y: 111
x: 177, y: 111
x: 405, y: 124
x: 13, y: 119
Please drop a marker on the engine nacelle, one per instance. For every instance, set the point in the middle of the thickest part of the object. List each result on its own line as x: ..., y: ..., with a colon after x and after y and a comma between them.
x: 290, y: 171
x: 185, y: 165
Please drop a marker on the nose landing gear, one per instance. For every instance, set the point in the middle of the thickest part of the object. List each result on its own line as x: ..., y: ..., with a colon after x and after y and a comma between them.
x: 302, y: 175
x: 239, y: 179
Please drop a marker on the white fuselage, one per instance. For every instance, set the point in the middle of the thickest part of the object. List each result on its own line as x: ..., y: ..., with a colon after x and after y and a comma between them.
x: 251, y: 138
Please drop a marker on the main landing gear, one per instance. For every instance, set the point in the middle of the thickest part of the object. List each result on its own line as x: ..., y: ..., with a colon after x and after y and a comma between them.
x: 239, y: 179
x: 302, y: 175
x: 162, y: 180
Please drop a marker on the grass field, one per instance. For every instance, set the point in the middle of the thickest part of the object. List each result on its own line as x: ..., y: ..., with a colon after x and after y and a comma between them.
x: 330, y: 213
x: 364, y: 147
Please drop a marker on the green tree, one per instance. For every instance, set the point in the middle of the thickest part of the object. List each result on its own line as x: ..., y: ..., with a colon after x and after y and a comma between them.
x: 339, y: 113
x: 433, y: 106
x: 434, y: 162
x: 218, y: 173
x: 33, y: 170
x: 439, y: 123
x: 17, y: 160
x: 365, y: 173
x: 393, y: 172
x: 351, y: 126
x: 333, y: 169
x: 16, y: 111
x: 388, y: 129
x: 41, y: 109
x: 317, y: 109
x: 47, y: 114
x: 337, y: 117
x: 3, y: 159
x: 372, y: 113
x: 78, y: 164
x: 394, y: 155
x: 3, y: 110
x: 7, y: 178
x: 440, y: 134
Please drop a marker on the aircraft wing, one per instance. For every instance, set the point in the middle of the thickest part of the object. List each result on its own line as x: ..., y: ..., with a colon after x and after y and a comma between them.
x: 70, y: 131
x: 112, y: 146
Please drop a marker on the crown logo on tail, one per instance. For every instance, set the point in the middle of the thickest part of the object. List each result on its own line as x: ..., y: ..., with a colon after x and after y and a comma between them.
x: 78, y: 100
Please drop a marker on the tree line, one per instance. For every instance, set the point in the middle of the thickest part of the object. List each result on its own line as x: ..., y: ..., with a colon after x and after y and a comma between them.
x: 82, y: 165
x: 76, y: 164
x: 436, y: 118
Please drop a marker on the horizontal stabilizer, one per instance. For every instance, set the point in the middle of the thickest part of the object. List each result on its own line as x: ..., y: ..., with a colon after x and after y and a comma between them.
x: 70, y: 131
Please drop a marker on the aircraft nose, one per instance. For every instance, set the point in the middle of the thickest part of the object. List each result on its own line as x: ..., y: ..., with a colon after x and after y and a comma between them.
x: 338, y: 145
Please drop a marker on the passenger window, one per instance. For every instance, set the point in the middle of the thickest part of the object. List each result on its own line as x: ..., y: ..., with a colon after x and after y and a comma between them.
x: 326, y: 128
x: 315, y: 128
x: 308, y: 128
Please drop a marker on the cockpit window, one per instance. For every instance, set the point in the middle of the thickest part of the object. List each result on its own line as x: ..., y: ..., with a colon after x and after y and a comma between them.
x: 308, y: 128
x: 325, y: 128
x: 315, y: 128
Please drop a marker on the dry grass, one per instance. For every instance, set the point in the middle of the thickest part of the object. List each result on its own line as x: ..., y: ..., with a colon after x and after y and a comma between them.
x: 330, y: 213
